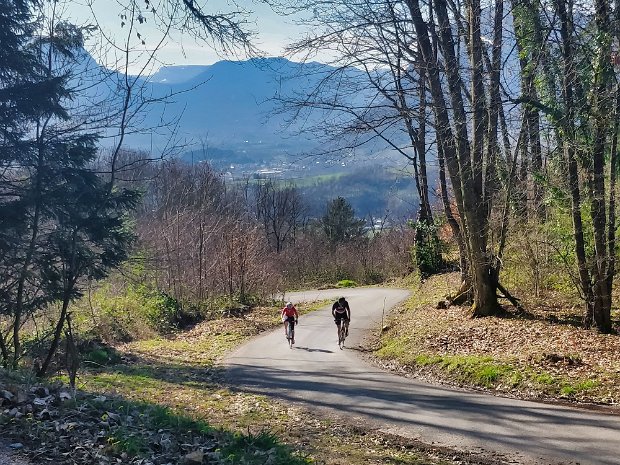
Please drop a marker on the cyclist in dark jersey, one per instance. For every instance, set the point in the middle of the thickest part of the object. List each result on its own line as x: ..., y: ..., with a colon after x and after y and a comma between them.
x: 341, y: 311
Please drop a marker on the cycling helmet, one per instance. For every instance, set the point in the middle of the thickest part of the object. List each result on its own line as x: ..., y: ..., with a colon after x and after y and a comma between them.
x: 289, y: 305
x: 341, y: 299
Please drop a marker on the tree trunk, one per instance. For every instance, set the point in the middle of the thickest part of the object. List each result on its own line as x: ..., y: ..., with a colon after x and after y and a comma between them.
x: 602, y: 302
x: 532, y: 56
x: 70, y: 280
x: 23, y: 274
x: 452, y: 222
x: 57, y: 333
x: 425, y: 205
x: 201, y: 242
x: 4, y: 350
x: 464, y: 163
x: 509, y: 185
x: 611, y: 218
x: 568, y: 143
x: 426, y: 239
x: 490, y: 177
x: 485, y: 291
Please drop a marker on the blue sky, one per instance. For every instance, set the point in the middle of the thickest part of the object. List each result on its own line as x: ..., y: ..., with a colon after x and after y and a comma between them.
x: 274, y: 32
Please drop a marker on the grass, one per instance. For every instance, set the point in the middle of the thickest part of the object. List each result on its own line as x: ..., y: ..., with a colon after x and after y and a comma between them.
x: 118, y: 429
x: 535, y: 357
x: 304, y: 308
x: 125, y: 441
x: 180, y: 379
x: 579, y: 386
x: 483, y: 371
x: 174, y: 385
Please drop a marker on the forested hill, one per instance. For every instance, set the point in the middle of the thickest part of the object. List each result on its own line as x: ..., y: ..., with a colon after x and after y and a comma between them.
x: 242, y: 108
x: 247, y: 112
x: 373, y: 191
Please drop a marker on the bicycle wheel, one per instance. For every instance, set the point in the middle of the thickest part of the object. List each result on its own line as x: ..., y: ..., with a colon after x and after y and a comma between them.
x: 290, y: 334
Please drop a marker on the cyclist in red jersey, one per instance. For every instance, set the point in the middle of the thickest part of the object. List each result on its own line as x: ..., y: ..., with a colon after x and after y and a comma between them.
x: 289, y: 315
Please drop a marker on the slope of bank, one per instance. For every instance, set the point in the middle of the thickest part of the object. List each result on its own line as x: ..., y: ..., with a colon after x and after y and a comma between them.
x: 543, y: 354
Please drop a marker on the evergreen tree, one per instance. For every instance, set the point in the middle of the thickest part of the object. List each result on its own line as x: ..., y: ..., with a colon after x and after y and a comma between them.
x: 90, y: 237
x: 26, y: 92
x: 60, y: 221
x: 339, y: 222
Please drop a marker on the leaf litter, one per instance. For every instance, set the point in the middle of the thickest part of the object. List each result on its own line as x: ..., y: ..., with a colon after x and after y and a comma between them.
x: 115, y: 416
x: 547, y: 354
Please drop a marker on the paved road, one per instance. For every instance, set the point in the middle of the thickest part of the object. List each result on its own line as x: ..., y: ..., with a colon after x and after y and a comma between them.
x: 320, y: 375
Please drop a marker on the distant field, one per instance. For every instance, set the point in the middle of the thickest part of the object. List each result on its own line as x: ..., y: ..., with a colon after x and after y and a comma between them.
x: 316, y: 180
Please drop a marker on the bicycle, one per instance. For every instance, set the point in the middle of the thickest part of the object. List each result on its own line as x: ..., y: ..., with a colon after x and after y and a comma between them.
x: 290, y: 333
x: 343, y: 332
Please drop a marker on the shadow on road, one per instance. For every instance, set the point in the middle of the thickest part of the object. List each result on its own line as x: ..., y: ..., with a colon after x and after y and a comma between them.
x: 536, y: 430
x: 309, y: 349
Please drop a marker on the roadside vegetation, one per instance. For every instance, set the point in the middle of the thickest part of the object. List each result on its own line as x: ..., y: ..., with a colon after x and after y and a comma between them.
x: 542, y: 353
x: 163, y: 400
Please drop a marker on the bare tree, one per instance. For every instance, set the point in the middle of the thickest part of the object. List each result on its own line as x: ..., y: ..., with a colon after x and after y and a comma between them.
x: 280, y: 210
x: 465, y: 157
x: 383, y: 105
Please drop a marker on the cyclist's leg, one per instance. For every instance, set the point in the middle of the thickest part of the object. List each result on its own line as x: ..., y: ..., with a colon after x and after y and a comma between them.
x: 292, y: 323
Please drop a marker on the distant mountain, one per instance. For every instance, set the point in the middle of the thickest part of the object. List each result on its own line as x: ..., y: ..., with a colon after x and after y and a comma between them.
x: 177, y: 74
x: 231, y: 111
x: 231, y: 115
x: 235, y: 105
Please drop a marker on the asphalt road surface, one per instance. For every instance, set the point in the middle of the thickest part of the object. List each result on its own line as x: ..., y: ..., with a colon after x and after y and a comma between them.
x: 321, y: 376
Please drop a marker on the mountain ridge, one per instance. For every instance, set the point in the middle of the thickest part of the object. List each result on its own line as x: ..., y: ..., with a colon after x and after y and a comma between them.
x: 231, y: 104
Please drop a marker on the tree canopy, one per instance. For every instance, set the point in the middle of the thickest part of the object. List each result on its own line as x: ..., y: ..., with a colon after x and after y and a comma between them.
x: 339, y: 222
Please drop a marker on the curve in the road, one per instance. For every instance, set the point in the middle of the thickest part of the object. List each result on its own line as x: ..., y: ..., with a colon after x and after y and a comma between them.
x: 320, y: 375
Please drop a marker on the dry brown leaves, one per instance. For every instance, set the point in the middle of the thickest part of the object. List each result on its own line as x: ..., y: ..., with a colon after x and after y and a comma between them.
x: 53, y: 427
x: 547, y: 339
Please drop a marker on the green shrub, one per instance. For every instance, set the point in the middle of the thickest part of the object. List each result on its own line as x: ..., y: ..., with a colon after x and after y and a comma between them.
x: 544, y: 378
x: 162, y: 311
x: 346, y: 283
x: 127, y: 312
x: 101, y: 356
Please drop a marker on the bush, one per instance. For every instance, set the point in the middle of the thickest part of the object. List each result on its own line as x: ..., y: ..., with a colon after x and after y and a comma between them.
x: 224, y: 306
x: 98, y: 354
x: 162, y: 311
x: 346, y: 283
x: 127, y: 312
